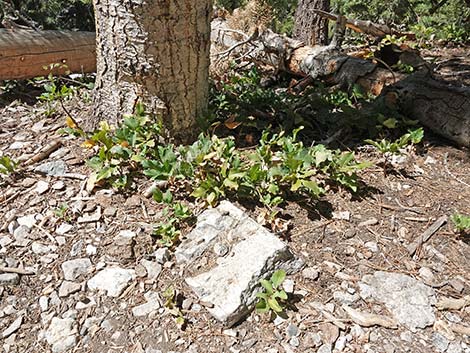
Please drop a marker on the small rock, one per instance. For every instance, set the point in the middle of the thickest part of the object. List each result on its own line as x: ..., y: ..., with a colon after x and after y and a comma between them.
x: 372, y: 246
x: 15, y: 325
x: 311, y: 273
x: 41, y: 249
x: 9, y: 279
x: 439, y: 341
x: 146, y: 308
x: 21, y: 236
x: 294, y: 342
x: 59, y: 185
x: 67, y: 288
x: 230, y: 332
x: 90, y: 218
x: 426, y: 274
x: 28, y: 221
x: 312, y: 339
x: 341, y: 215
x: 340, y: 343
x: 330, y: 333
x: 112, y: 280
x: 326, y: 348
x: 457, y: 284
x: 110, y: 211
x: 369, y: 222
x: 90, y: 250
x: 41, y: 187
x: 345, y: 298
x: 292, y: 330
x: 64, y: 228
x: 61, y: 334
x: 288, y: 285
x: 186, y: 304
x: 153, y: 268
x: 220, y: 249
x: 43, y: 303
x: 161, y: 255
x: 454, y: 347
x: 430, y: 160
x: 54, y: 168
x: 75, y: 268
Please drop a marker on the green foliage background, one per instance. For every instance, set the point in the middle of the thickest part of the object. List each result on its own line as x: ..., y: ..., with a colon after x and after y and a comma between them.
x: 450, y: 22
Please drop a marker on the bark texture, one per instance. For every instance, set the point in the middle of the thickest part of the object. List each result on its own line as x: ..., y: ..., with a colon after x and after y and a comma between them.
x: 155, y: 52
x: 309, y: 27
x: 25, y: 53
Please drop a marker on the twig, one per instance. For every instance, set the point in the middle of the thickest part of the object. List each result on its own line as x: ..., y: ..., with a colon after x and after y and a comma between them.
x: 48, y: 234
x: 44, y: 152
x: 428, y: 233
x: 20, y: 271
x: 451, y: 174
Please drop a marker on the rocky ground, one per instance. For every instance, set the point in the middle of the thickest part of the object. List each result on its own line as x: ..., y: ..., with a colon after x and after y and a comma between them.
x: 80, y: 272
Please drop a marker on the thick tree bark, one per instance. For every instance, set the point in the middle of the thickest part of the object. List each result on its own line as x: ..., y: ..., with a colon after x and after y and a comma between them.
x: 309, y: 27
x: 28, y: 53
x: 155, y: 52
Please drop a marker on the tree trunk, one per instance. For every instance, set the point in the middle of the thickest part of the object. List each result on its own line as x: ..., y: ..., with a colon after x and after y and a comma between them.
x: 309, y: 27
x: 155, y: 52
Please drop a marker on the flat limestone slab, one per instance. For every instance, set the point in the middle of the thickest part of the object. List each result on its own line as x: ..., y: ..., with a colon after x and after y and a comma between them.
x: 231, y: 282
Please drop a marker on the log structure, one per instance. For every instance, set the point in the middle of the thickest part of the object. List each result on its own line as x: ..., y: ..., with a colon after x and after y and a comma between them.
x: 25, y: 53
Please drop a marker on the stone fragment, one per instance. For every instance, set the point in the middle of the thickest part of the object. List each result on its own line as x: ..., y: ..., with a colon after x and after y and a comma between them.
x: 369, y: 222
x: 161, y: 255
x: 21, y: 236
x: 64, y: 228
x: 41, y: 187
x: 232, y: 283
x: 41, y: 249
x: 15, y: 325
x: 341, y: 215
x: 345, y: 298
x: 61, y: 334
x: 153, y: 268
x: 292, y: 330
x: 409, y: 300
x: 53, y: 168
x: 58, y: 185
x: 311, y: 273
x: 123, y: 244
x: 439, y: 342
x: 67, y: 288
x: 90, y: 218
x: 112, y: 280
x: 43, y: 303
x: 9, y: 279
x: 325, y: 348
x: 146, y: 308
x: 28, y: 221
x: 75, y: 268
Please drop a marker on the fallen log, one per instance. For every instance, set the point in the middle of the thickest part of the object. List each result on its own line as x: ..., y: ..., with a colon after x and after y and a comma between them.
x: 438, y: 105
x: 28, y: 53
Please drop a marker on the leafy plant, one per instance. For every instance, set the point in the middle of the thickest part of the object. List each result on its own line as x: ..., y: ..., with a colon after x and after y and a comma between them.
x: 62, y: 212
x: 272, y: 298
x: 385, y: 146
x: 461, y: 222
x: 172, y: 306
x: 7, y: 165
x: 53, y: 90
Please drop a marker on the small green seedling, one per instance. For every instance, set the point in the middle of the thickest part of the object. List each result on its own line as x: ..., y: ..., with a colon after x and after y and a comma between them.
x: 171, y: 305
x: 272, y: 298
x: 7, y: 165
x: 461, y: 222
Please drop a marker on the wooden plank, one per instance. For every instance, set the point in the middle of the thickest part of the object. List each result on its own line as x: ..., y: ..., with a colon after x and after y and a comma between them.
x: 25, y: 53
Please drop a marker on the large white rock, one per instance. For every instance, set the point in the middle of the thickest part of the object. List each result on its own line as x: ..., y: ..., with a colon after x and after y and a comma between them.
x: 230, y: 284
x: 112, y: 280
x: 409, y: 300
x: 61, y: 334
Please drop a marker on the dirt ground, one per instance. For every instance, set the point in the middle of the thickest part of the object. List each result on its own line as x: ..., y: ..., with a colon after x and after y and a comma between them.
x: 341, y: 239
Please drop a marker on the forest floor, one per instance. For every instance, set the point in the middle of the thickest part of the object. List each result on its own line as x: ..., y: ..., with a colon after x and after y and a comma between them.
x: 48, y: 220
